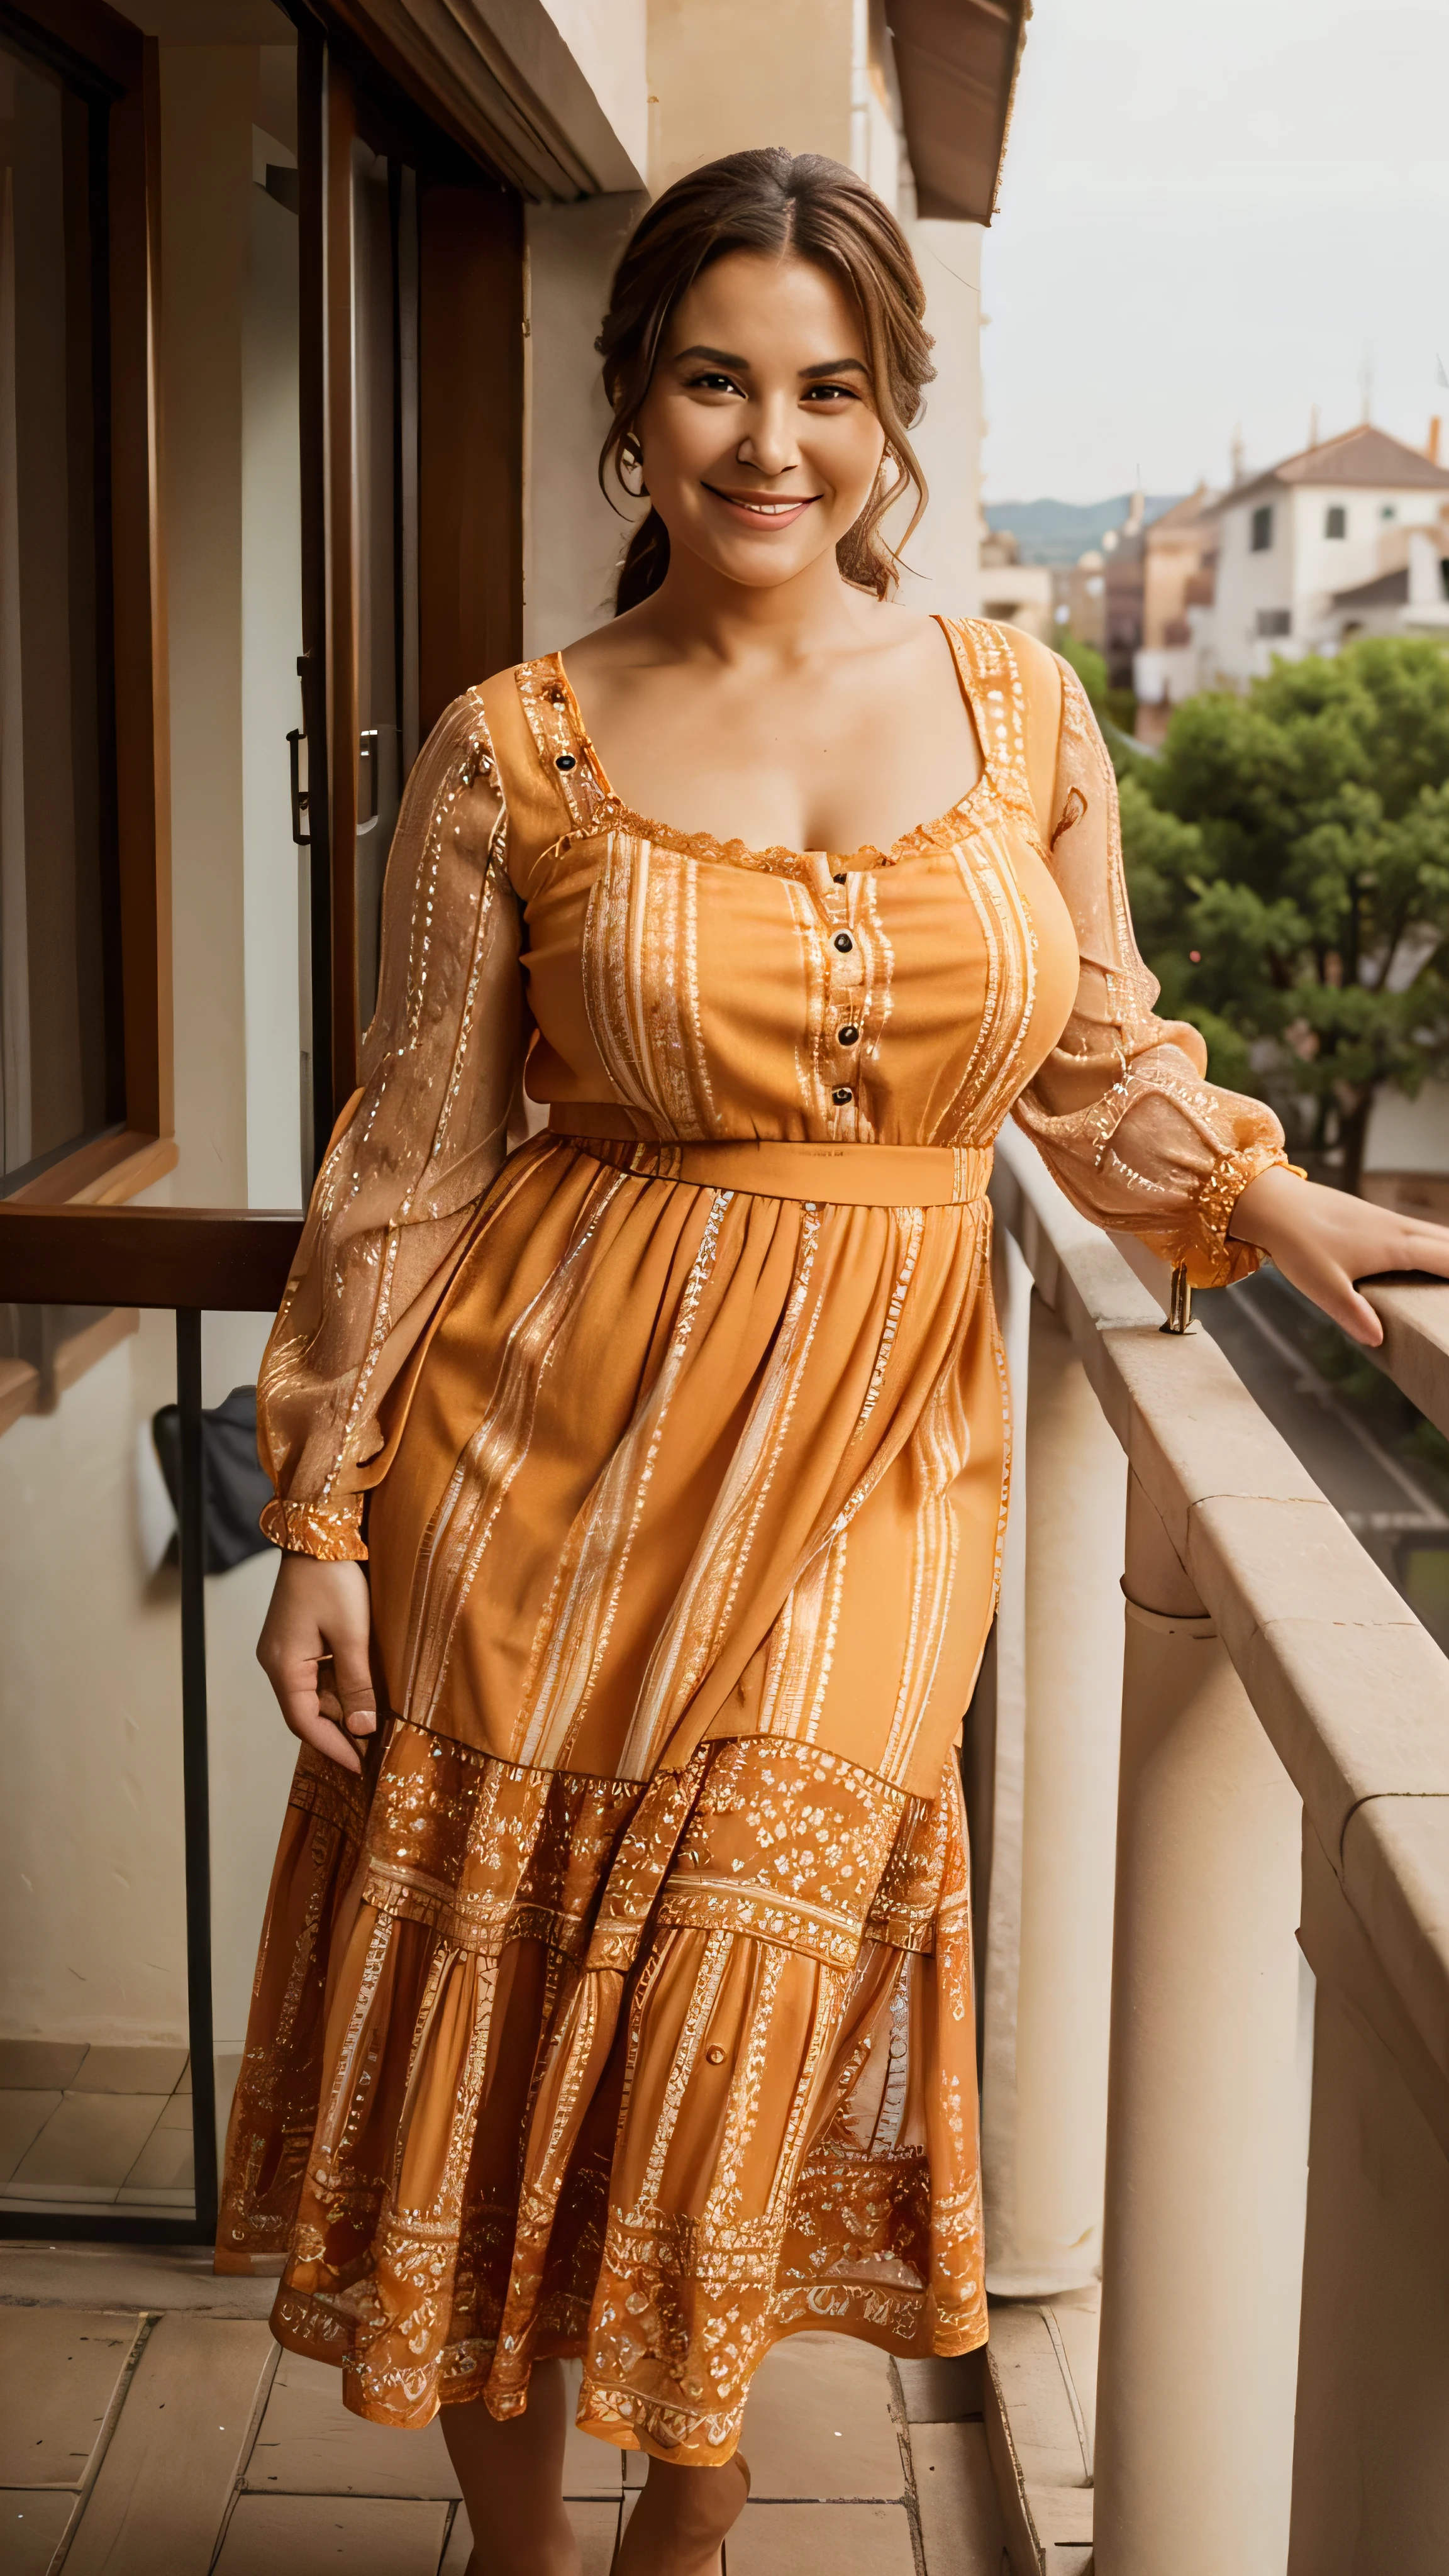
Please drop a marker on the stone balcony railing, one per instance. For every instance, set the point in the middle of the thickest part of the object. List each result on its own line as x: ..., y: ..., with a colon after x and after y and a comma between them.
x: 1211, y: 1846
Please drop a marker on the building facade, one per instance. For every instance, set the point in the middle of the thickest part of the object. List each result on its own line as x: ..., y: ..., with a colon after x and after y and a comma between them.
x: 1296, y: 543
x: 1179, y: 556
x: 1019, y: 594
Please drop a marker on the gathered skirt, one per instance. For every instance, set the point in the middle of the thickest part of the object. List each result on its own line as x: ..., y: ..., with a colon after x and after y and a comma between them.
x: 541, y: 2064
x: 623, y: 2007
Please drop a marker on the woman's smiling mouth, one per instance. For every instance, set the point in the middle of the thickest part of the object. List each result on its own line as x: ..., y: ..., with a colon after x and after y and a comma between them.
x: 763, y: 509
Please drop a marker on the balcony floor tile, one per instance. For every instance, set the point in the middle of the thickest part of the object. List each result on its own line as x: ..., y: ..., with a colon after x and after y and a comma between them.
x: 90, y: 2139
x: 822, y: 2540
x: 596, y: 2529
x: 302, y: 2535
x: 129, y: 2070
x: 33, y: 2523
x: 60, y: 2369
x: 39, y: 2064
x: 309, y: 2444
x: 818, y: 2424
x: 22, y: 2117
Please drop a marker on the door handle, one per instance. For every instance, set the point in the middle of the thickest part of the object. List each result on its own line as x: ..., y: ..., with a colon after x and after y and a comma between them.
x: 301, y: 798
x: 367, y: 779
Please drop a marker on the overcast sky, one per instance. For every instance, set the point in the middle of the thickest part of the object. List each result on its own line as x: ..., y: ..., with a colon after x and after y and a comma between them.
x: 1211, y: 217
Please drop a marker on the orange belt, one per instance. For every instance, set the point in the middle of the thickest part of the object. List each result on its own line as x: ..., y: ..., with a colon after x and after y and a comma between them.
x: 829, y: 1175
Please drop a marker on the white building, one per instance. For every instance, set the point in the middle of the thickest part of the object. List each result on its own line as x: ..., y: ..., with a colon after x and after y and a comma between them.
x: 1409, y: 595
x: 1017, y: 593
x: 1296, y: 539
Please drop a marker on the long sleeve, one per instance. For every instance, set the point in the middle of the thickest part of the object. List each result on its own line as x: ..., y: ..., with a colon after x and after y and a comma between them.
x: 413, y: 1153
x: 1120, y: 1110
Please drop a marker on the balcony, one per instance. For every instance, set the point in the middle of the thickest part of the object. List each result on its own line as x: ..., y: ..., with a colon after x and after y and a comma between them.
x: 1211, y: 1853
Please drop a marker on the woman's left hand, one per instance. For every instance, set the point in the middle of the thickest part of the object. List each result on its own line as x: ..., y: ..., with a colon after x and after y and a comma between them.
x: 1323, y: 1241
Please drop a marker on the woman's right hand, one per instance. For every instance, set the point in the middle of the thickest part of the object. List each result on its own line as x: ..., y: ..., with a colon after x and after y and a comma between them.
x: 314, y: 1651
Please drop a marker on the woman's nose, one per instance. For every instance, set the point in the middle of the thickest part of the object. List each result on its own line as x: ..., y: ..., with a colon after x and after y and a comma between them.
x: 769, y: 444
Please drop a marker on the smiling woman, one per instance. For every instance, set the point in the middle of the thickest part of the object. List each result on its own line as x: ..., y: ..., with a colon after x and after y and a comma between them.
x: 615, y: 1995
x: 832, y: 227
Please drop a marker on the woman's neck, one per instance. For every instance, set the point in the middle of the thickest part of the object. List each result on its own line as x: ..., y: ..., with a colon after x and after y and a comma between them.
x: 697, y: 615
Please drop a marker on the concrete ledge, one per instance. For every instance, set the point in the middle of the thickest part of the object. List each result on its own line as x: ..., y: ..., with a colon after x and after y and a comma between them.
x: 1344, y: 1961
x: 1037, y: 2443
x: 1415, y: 1350
x: 1351, y: 1691
x: 1396, y: 1877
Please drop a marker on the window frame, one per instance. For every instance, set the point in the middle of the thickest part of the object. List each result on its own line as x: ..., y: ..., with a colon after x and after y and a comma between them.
x: 469, y: 468
x: 1260, y: 529
x: 1335, y: 510
x: 110, y: 64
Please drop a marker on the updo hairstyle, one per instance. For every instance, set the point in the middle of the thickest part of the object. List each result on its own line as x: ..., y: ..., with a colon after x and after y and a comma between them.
x: 771, y: 201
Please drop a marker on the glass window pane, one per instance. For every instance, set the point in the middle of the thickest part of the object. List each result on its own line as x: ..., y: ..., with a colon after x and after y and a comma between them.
x: 60, y: 1067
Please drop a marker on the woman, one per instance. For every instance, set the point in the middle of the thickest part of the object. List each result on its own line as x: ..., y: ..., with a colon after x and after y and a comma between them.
x: 615, y: 2001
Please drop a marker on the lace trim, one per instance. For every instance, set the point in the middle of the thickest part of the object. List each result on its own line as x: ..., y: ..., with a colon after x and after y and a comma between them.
x: 548, y: 694
x: 332, y: 1532
x: 1213, y: 1261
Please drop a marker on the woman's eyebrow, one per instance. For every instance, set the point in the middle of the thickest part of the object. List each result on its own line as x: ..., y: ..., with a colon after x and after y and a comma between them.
x: 730, y: 358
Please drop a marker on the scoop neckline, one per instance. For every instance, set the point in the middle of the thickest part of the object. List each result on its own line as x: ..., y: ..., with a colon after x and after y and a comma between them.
x: 937, y: 834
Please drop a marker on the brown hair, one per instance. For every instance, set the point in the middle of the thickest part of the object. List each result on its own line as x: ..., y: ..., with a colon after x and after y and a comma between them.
x: 772, y: 201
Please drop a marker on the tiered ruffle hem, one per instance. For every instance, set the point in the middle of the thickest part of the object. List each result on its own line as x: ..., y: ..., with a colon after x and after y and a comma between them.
x: 654, y: 2074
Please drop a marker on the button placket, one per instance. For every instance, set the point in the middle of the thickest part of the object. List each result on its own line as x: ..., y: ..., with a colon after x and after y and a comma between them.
x: 846, y: 970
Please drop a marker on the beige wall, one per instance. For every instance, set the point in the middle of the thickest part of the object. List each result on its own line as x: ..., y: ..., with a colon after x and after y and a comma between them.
x: 572, y: 538
x: 944, y: 552
x: 608, y: 40
x: 723, y: 79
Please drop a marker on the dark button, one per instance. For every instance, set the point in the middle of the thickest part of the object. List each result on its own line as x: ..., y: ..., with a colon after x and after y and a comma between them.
x: 840, y: 880
x: 848, y: 1036
x: 841, y: 1094
x: 844, y: 942
x: 566, y: 760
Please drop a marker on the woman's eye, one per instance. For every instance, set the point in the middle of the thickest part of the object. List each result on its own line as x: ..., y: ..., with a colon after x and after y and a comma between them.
x: 713, y: 383
x: 830, y: 393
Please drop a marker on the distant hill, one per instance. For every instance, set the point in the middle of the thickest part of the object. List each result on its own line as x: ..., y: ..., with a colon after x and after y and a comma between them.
x: 1056, y: 532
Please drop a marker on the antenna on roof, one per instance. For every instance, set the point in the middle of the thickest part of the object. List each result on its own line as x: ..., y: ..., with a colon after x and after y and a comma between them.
x: 1313, y: 425
x: 1236, y: 453
x: 1366, y: 390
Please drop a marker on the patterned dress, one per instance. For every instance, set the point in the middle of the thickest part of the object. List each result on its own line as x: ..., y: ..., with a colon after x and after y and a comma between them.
x: 623, y: 2008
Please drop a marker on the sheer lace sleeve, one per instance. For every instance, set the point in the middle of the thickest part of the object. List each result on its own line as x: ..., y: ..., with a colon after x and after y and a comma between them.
x: 1120, y: 1111
x: 415, y: 1149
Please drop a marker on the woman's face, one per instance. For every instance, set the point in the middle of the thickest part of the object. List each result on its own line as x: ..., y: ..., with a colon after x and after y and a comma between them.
x: 760, y: 442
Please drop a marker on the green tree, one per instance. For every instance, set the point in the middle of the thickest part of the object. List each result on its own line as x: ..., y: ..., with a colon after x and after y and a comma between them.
x: 1090, y: 665
x: 1288, y: 867
x: 1114, y: 709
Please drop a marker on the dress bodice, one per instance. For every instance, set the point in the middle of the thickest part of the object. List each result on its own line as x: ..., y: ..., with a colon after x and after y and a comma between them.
x: 541, y: 938
x: 707, y: 990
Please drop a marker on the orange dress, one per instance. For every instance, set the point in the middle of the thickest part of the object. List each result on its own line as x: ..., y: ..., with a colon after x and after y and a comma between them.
x: 623, y: 2008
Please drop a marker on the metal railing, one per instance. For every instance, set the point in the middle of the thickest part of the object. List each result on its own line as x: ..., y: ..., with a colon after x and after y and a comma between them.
x: 191, y: 1260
